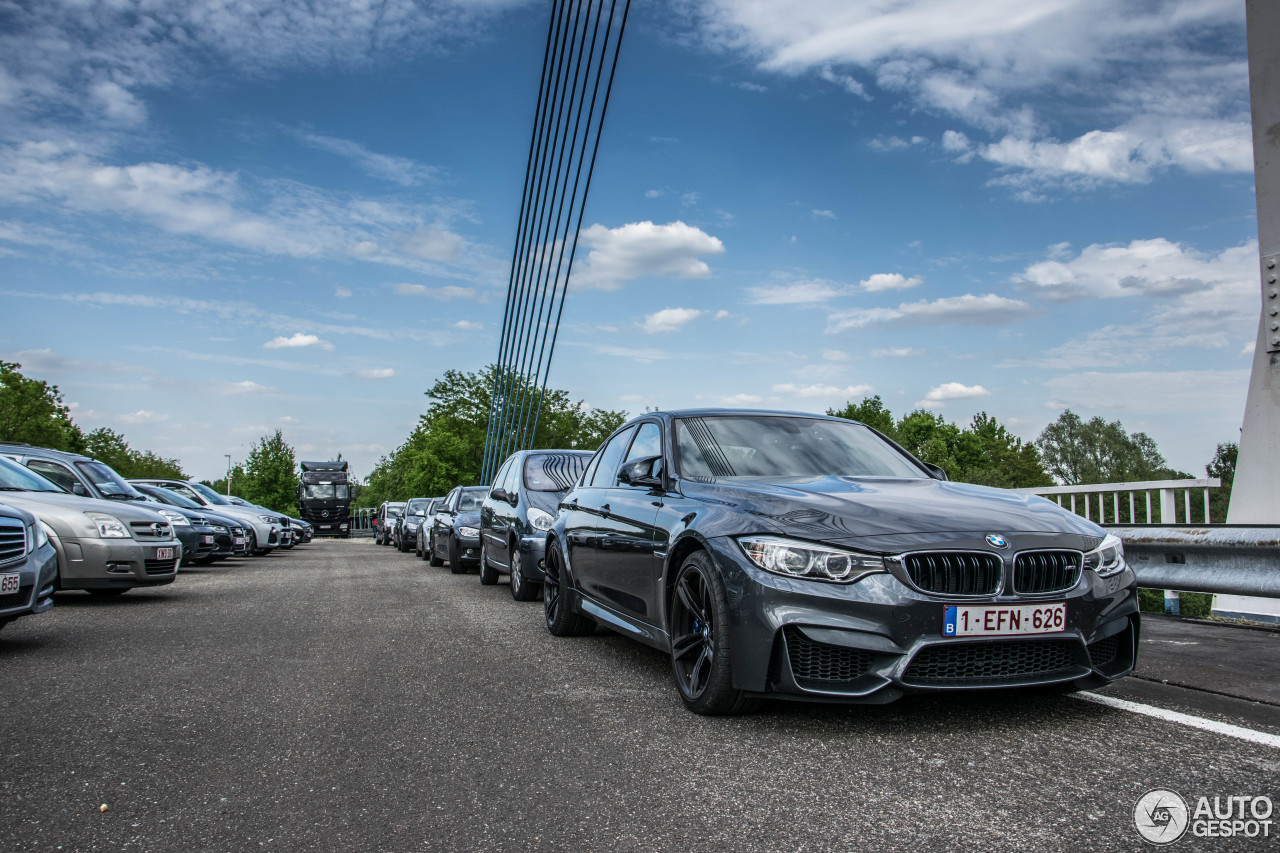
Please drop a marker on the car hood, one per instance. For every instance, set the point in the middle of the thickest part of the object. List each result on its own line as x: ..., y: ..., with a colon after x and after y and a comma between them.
x: 51, y: 502
x: 844, y: 509
x: 466, y: 519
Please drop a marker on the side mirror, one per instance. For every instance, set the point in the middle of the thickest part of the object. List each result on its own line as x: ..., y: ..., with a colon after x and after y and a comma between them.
x: 79, y: 489
x: 642, y: 472
x: 936, y: 471
x: 500, y: 494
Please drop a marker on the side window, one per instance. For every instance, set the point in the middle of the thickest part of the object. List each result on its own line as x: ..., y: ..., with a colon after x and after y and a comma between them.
x: 648, y: 443
x: 500, y: 479
x: 512, y: 481
x: 451, y: 501
x: 692, y: 462
x: 53, y: 471
x: 606, y: 473
x: 187, y: 493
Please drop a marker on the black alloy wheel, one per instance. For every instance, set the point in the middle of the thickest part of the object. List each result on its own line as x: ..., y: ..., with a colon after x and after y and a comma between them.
x: 560, y: 619
x: 488, y: 574
x: 701, y: 641
x: 521, y: 589
x: 433, y: 558
x: 455, y: 556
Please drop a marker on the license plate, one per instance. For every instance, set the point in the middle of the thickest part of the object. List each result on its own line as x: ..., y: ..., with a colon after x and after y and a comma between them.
x: 990, y: 620
x: 239, y: 540
x: 164, y: 553
x: 10, y: 583
x: 207, y: 540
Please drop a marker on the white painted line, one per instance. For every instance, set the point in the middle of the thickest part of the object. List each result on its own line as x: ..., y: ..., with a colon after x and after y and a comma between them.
x: 1240, y: 732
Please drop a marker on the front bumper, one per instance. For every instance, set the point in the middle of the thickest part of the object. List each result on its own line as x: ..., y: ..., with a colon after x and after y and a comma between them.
x: 877, y: 639
x: 469, y: 549
x: 35, y: 584
x: 116, y: 563
x: 532, y: 550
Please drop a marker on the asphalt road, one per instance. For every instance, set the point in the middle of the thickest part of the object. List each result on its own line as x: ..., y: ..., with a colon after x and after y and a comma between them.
x: 345, y: 697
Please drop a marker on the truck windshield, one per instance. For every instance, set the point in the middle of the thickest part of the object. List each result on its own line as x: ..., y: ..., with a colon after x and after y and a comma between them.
x: 319, y: 493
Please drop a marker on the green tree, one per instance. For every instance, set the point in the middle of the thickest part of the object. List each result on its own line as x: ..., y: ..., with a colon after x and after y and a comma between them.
x: 446, y: 448
x: 31, y: 410
x: 1078, y: 452
x: 109, y: 446
x: 1222, y: 466
x: 270, y: 475
x: 872, y: 412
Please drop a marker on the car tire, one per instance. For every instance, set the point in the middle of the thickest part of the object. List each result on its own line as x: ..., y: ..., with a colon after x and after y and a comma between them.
x: 402, y: 544
x: 522, y: 589
x: 253, y: 545
x: 433, y: 559
x: 701, y: 640
x: 106, y: 593
x: 557, y: 613
x: 455, y: 559
x: 488, y: 574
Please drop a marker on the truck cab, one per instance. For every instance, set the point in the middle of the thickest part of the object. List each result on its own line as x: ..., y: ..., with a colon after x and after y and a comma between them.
x: 324, y: 497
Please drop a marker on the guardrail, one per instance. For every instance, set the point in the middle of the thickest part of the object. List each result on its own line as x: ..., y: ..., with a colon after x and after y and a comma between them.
x: 1141, y: 511
x: 1223, y: 559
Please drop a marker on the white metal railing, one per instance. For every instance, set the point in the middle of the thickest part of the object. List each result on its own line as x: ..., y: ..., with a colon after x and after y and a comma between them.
x: 1082, y: 500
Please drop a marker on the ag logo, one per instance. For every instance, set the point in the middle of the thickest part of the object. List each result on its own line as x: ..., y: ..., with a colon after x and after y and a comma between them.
x: 995, y: 540
x: 1161, y: 817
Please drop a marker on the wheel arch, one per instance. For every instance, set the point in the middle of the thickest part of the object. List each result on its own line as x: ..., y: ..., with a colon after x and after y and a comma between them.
x: 685, y: 544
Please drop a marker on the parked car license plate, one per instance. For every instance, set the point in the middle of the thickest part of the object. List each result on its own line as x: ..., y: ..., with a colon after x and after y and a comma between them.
x: 984, y: 620
x: 207, y: 540
x: 164, y: 553
x: 10, y: 583
x: 239, y: 540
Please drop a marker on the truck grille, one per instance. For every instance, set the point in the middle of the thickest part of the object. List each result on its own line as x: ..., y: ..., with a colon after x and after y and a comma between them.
x: 150, y: 530
x: 1046, y: 571
x: 13, y: 539
x: 955, y: 572
x: 160, y: 567
x: 821, y: 662
x: 971, y: 664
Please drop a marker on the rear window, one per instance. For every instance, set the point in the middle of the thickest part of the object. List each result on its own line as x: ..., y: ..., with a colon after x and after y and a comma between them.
x: 553, y: 472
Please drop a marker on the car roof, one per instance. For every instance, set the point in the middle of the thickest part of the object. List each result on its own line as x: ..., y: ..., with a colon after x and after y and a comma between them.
x: 702, y: 413
x: 24, y: 449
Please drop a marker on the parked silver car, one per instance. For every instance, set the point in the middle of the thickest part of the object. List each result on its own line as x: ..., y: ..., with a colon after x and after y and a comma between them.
x: 103, y: 547
x: 264, y: 527
x: 28, y: 565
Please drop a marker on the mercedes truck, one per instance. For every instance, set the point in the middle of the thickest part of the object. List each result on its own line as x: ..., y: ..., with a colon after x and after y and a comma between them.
x: 324, y: 497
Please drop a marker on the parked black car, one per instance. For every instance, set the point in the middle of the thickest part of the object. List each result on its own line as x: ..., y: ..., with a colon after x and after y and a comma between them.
x: 230, y: 537
x: 385, y: 520
x: 421, y: 547
x: 786, y: 554
x: 518, y: 512
x: 455, y: 529
x: 28, y: 565
x: 404, y: 533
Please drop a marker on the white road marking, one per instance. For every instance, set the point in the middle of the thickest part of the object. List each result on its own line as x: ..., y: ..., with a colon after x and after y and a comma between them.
x: 1240, y: 732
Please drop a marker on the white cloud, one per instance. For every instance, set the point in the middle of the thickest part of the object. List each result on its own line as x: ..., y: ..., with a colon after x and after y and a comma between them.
x: 376, y: 373
x: 896, y: 352
x: 690, y: 198
x: 742, y: 400
x: 644, y: 356
x: 823, y: 214
x: 652, y: 193
x: 966, y: 310
x: 834, y: 355
x: 670, y: 319
x: 939, y: 395
x: 889, y: 281
x: 795, y: 293
x: 893, y: 143
x: 642, y: 250
x: 142, y: 416
x: 117, y: 103
x: 444, y: 294
x: 468, y: 326
x: 822, y: 392
x: 299, y: 339
x: 244, y: 387
x: 722, y: 314
x: 434, y: 244
x: 342, y: 293
x: 399, y: 170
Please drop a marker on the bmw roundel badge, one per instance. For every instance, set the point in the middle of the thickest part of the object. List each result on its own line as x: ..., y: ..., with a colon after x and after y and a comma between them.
x: 995, y: 540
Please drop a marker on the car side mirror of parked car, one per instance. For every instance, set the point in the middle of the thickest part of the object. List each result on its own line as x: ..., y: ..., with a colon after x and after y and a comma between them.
x: 936, y: 471
x: 79, y: 489
x: 642, y: 472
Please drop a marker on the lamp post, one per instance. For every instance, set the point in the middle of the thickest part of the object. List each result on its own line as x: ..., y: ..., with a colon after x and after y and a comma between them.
x: 228, y: 455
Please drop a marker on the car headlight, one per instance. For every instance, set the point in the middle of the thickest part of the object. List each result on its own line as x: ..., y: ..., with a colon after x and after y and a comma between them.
x: 37, y: 535
x: 805, y: 560
x: 1108, y: 558
x: 541, y: 520
x: 218, y: 528
x: 270, y: 519
x: 177, y: 519
x: 109, y: 527
x: 469, y: 532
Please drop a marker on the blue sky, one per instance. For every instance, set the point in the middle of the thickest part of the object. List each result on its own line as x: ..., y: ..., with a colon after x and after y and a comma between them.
x: 219, y: 219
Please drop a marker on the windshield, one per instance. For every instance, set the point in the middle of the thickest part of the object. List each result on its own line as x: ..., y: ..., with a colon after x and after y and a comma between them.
x: 418, y: 506
x: 470, y: 500
x: 395, y: 511
x: 318, y: 492
x: 554, y: 472
x: 107, y: 481
x: 15, y: 477
x: 768, y: 447
x: 209, y: 494
x: 168, y: 497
